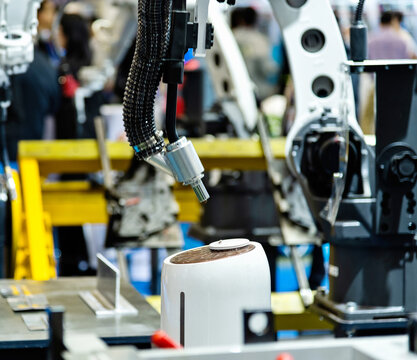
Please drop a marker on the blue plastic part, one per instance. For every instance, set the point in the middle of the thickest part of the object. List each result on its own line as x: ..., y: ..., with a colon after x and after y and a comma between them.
x: 189, y: 55
x: 13, y: 165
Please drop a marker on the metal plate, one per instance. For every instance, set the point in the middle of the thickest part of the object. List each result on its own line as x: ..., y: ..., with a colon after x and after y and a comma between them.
x: 78, y: 317
x: 108, y: 280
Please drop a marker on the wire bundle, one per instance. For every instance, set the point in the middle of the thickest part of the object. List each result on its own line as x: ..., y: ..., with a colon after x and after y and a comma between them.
x: 153, y: 36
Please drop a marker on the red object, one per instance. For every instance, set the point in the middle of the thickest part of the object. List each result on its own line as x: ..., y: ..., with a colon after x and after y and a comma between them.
x: 180, y: 107
x: 69, y: 85
x: 192, y: 65
x: 163, y: 341
x: 285, y: 356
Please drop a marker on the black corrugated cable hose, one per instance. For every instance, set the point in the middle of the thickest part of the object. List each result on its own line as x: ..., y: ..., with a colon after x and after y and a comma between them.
x: 154, y: 23
x: 359, y: 11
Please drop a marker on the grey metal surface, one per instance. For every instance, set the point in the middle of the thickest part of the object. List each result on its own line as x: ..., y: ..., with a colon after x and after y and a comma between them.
x: 108, y: 280
x: 78, y: 317
x: 101, y: 306
x: 380, y: 348
x: 36, y: 321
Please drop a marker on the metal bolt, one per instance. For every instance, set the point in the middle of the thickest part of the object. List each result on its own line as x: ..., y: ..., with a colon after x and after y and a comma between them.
x: 351, y: 306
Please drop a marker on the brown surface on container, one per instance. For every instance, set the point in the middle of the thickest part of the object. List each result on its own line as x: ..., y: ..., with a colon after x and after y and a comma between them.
x: 205, y: 254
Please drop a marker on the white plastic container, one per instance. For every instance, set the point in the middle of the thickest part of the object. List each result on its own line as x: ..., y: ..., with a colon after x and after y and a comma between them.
x: 206, y: 290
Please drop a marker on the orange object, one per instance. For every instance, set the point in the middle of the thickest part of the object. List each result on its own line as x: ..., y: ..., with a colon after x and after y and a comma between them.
x: 163, y: 341
x: 285, y: 356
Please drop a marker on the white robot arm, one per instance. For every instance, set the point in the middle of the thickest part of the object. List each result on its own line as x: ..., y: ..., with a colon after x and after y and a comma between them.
x: 18, y: 26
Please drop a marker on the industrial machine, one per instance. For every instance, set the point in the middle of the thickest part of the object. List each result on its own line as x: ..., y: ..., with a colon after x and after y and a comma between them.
x: 362, y: 198
x: 18, y: 26
x: 202, y: 281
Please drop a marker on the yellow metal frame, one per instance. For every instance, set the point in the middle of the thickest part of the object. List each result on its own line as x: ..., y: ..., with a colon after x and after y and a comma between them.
x: 48, y: 204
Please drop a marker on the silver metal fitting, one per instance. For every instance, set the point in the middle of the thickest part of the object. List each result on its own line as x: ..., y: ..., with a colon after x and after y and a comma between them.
x: 155, y: 139
x: 186, y: 166
x: 10, y: 184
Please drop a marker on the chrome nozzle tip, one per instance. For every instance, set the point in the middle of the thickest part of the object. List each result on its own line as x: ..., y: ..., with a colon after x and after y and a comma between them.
x: 200, y: 191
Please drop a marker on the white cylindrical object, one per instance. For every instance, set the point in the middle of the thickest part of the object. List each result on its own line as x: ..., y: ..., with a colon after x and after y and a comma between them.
x: 205, y: 291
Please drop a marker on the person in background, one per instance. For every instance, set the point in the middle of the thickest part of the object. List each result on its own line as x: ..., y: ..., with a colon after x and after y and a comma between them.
x: 384, y: 44
x: 387, y: 43
x: 397, y: 20
x: 74, y: 40
x: 256, y: 51
x: 46, y: 18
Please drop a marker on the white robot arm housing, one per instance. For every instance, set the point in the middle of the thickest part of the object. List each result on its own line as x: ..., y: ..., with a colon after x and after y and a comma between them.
x: 18, y: 26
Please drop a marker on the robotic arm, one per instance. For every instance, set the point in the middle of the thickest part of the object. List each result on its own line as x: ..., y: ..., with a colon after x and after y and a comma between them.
x: 372, y: 229
x: 368, y: 195
x: 18, y: 26
x: 315, y: 50
x: 165, y: 33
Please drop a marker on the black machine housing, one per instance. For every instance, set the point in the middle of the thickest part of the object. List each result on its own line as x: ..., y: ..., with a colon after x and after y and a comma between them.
x: 373, y: 263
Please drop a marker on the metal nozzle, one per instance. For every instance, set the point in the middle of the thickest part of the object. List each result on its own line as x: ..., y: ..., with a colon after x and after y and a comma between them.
x: 186, y: 166
x: 200, y: 191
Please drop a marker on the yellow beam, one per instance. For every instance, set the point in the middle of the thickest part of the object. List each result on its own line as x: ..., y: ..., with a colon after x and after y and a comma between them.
x: 72, y: 156
x: 70, y: 208
x: 77, y: 202
x: 37, y: 236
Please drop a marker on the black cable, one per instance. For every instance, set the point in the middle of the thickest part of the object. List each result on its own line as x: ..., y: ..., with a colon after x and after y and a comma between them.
x: 359, y: 11
x: 154, y: 25
x: 171, y: 113
x: 359, y: 35
x: 174, y: 66
x: 4, y: 153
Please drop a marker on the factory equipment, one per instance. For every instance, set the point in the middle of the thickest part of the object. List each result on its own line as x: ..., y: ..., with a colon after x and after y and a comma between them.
x: 362, y: 199
x: 18, y: 25
x: 164, y: 35
x: 198, y: 287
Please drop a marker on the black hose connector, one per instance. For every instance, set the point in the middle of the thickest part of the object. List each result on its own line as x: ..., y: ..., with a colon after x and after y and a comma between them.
x: 359, y: 42
x: 153, y: 37
x: 359, y: 35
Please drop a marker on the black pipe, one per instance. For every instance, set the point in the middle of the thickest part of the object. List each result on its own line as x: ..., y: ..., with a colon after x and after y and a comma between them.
x: 153, y: 37
x: 171, y: 113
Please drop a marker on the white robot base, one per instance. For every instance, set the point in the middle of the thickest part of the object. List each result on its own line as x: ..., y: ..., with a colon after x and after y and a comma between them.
x: 205, y: 292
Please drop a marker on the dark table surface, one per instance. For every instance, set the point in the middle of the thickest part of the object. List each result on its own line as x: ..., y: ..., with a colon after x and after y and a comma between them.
x: 78, y: 317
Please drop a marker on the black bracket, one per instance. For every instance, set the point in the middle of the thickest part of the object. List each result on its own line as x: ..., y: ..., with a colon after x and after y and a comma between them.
x: 258, y: 327
x: 184, y: 35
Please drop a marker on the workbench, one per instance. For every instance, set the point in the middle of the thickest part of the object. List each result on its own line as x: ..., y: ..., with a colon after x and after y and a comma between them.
x: 16, y: 338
